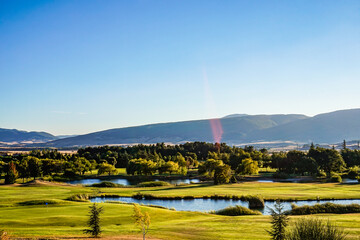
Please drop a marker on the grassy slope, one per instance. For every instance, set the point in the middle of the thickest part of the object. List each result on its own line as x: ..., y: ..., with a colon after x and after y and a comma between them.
x: 69, y: 218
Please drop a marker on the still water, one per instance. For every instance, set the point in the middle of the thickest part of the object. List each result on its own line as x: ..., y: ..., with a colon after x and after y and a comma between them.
x: 127, y: 182
x: 205, y: 205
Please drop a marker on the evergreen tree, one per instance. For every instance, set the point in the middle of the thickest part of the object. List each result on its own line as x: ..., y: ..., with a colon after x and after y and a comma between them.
x: 94, y: 221
x: 279, y: 222
x: 11, y: 174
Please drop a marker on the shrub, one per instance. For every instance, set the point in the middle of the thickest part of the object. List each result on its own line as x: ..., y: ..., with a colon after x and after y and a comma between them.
x: 309, y: 229
x: 79, y: 198
x: 325, y: 208
x: 153, y: 184
x: 237, y: 211
x: 256, y: 202
x: 106, y: 185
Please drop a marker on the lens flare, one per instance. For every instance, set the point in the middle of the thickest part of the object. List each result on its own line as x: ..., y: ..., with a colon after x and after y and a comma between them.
x: 216, y: 129
x: 215, y: 123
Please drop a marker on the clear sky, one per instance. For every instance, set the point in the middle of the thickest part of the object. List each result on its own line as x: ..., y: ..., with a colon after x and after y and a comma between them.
x: 72, y: 67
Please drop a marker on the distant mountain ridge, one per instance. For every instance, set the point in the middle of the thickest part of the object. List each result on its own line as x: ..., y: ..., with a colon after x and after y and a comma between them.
x: 14, y: 135
x: 237, y: 129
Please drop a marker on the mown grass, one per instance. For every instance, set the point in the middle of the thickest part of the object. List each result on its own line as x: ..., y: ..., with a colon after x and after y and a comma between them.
x: 69, y: 218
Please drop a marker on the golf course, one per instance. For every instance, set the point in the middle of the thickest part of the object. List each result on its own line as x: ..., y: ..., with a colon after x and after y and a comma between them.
x: 41, y: 209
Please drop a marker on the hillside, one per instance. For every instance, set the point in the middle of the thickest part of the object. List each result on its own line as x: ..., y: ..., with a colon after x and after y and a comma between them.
x: 236, y: 129
x: 13, y: 135
x: 265, y: 130
x: 330, y: 127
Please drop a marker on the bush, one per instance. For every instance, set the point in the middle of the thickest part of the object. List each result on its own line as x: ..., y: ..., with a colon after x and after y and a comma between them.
x: 325, y: 208
x: 79, y: 198
x: 256, y: 202
x: 237, y: 211
x: 106, y: 185
x: 310, y: 229
x: 153, y: 184
x: 38, y: 202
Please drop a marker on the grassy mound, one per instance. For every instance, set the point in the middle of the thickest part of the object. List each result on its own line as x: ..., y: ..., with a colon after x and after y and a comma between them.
x: 153, y: 184
x: 325, y: 208
x: 106, y: 185
x: 236, y: 211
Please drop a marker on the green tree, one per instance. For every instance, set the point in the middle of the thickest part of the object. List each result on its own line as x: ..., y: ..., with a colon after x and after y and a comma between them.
x: 248, y: 166
x: 208, y: 167
x: 94, y: 221
x: 82, y: 165
x: 142, y: 220
x: 328, y: 160
x: 34, y: 166
x: 11, y: 174
x: 106, y: 168
x: 222, y: 174
x: 279, y: 222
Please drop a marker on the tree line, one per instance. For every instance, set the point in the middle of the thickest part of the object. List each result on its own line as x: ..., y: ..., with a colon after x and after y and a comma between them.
x: 218, y: 161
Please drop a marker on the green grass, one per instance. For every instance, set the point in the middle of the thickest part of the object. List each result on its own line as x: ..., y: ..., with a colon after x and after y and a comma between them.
x: 69, y: 218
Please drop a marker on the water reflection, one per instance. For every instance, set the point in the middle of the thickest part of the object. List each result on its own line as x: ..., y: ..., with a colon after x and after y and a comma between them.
x: 205, y: 205
x: 127, y: 182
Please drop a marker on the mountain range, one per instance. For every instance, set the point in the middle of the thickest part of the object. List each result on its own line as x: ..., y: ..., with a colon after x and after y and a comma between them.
x: 330, y: 127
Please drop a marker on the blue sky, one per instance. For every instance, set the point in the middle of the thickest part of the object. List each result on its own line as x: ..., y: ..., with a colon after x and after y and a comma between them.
x: 72, y: 67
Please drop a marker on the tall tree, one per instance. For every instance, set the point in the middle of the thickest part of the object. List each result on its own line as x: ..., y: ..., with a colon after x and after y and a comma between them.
x: 279, y: 222
x: 94, y: 221
x: 11, y: 174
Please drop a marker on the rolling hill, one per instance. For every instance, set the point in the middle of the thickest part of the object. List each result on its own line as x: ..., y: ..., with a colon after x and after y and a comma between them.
x: 324, y: 128
x: 13, y: 135
x: 236, y: 129
x: 330, y: 127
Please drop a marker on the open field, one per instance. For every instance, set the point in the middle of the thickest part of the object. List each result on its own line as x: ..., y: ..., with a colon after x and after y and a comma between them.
x: 68, y: 219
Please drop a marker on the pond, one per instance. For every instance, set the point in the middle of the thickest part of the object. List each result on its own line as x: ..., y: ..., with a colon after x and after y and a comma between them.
x: 295, y: 180
x: 127, y: 182
x: 205, y: 205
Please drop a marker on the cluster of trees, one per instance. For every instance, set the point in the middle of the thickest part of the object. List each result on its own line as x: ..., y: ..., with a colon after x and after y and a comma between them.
x: 316, y: 160
x: 37, y: 163
x: 219, y: 161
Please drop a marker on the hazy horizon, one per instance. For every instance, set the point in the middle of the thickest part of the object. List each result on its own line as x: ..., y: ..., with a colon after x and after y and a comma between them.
x: 75, y: 67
